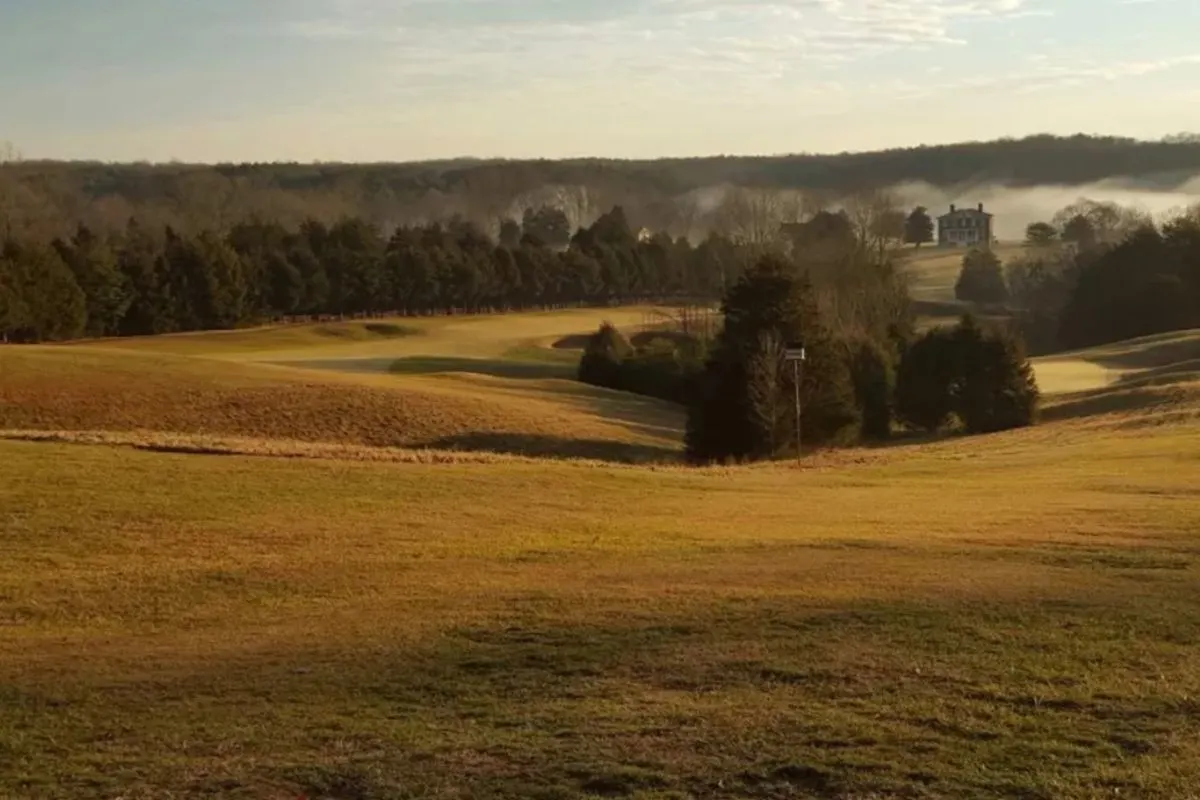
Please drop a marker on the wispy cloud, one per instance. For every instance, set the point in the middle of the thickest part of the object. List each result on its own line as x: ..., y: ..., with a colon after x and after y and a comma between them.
x: 601, y: 76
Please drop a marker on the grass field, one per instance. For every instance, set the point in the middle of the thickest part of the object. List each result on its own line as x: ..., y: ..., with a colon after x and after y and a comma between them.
x: 933, y: 271
x: 215, y: 583
x: 491, y: 384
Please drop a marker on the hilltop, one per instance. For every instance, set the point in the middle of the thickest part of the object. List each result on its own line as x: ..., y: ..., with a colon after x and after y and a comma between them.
x: 481, y: 384
x: 661, y: 194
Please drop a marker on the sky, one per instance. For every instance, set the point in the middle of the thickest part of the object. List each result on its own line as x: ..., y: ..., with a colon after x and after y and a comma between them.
x: 402, y: 80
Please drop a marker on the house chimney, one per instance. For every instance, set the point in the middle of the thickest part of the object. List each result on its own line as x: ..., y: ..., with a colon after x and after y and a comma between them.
x: 981, y: 206
x: 952, y: 208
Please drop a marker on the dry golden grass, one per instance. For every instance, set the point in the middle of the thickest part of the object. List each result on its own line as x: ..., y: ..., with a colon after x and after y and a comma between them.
x: 485, y: 383
x: 1130, y: 374
x: 934, y: 271
x: 214, y: 584
x: 479, y: 337
x: 84, y: 389
x: 1004, y: 616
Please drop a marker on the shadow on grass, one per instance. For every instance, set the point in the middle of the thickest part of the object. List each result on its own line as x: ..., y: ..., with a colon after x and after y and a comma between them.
x: 1150, y: 352
x: 900, y: 699
x: 499, y: 368
x: 542, y: 446
x: 1139, y: 393
x: 367, y: 365
x: 637, y: 413
x: 374, y: 330
x: 576, y: 341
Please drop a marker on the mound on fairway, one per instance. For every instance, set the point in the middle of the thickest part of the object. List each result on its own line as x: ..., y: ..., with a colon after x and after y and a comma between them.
x: 82, y: 389
x: 273, y: 337
x: 1158, y: 374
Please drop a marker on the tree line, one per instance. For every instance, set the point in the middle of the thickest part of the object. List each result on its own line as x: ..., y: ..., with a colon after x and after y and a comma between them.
x: 150, y: 281
x: 51, y: 198
x: 1096, y: 273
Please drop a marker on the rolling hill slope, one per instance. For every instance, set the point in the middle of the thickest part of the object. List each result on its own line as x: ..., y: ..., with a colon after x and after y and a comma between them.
x: 454, y: 386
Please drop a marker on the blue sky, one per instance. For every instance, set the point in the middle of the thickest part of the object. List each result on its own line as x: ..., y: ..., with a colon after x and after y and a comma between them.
x: 367, y: 80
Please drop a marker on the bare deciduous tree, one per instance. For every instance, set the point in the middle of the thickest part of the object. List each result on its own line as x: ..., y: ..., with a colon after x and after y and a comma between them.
x: 878, y: 220
x: 754, y: 216
x: 768, y: 386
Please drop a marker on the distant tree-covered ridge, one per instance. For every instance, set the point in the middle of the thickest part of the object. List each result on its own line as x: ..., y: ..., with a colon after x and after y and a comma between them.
x: 675, y: 195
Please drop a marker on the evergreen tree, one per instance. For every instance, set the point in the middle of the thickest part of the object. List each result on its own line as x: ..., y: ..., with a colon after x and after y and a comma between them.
x: 146, y: 270
x: 982, y: 377
x: 918, y: 228
x: 603, y: 356
x: 874, y: 385
x: 13, y: 312
x: 46, y: 303
x: 998, y: 390
x: 731, y: 418
x: 925, y: 381
x: 106, y: 290
x: 981, y: 279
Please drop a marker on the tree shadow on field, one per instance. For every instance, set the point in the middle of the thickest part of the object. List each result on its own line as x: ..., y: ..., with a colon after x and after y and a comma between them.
x: 544, y: 446
x: 1151, y: 352
x: 637, y: 413
x: 574, y: 341
x: 1153, y: 390
x: 497, y: 368
x: 671, y: 704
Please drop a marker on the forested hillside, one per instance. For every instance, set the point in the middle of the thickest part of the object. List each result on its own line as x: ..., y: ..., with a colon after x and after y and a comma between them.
x: 674, y: 195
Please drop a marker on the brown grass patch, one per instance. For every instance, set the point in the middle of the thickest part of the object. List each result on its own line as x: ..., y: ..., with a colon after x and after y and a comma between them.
x: 80, y: 389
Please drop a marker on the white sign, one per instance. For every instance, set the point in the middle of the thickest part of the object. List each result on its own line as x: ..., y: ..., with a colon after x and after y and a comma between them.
x: 795, y: 354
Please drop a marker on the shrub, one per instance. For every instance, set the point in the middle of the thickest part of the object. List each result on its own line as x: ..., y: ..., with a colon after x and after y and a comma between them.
x: 982, y: 377
x: 605, y: 352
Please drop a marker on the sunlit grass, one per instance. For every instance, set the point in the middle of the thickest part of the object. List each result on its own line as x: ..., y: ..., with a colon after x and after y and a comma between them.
x: 1013, y: 615
x: 933, y: 271
x: 222, y: 578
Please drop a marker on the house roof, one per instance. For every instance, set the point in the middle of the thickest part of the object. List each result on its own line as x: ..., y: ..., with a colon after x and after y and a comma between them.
x: 968, y: 211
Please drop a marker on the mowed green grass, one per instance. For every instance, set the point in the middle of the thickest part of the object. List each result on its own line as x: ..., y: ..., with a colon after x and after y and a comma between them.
x: 1008, y: 616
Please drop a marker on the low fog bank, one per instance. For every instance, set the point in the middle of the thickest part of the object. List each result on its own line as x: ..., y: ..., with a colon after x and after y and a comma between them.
x: 1015, y: 208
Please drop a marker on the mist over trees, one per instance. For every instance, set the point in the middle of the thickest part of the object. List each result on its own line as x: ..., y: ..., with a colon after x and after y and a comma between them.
x: 681, y: 197
x: 1101, y: 273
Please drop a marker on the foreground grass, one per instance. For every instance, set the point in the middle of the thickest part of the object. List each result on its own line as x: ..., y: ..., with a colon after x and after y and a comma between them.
x: 1011, y: 616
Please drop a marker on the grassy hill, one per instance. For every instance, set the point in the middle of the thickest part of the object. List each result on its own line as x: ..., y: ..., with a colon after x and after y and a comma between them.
x: 481, y: 384
x: 1009, y: 616
x: 933, y: 271
x: 1000, y: 616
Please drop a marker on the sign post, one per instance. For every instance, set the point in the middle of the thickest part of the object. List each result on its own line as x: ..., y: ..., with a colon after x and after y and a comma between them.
x: 796, y: 355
